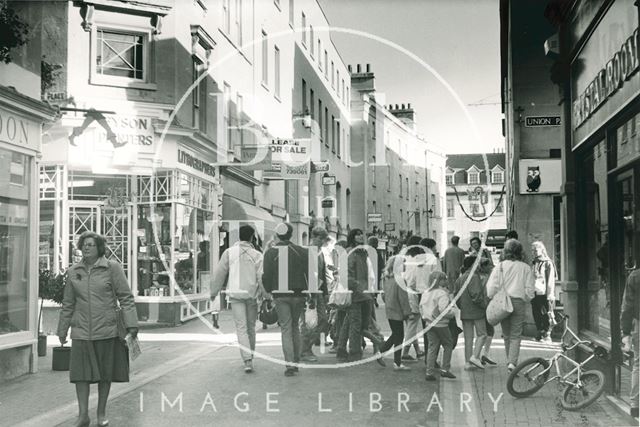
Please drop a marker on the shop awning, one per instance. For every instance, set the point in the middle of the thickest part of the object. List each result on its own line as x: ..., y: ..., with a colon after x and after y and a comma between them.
x: 237, y: 210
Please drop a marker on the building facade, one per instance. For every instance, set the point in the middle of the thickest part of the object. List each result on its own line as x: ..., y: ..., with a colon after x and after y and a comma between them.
x: 397, y: 176
x: 595, y: 68
x: 22, y: 118
x: 476, y: 198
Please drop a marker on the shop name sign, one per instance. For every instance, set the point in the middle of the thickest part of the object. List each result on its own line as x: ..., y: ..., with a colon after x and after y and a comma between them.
x: 195, y: 163
x: 17, y: 130
x: 608, y: 80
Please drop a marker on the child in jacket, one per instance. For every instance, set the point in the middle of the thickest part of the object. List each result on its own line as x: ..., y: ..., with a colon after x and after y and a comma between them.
x: 435, y: 301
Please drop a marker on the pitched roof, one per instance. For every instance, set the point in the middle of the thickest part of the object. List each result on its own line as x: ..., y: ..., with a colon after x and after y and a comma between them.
x: 465, y: 161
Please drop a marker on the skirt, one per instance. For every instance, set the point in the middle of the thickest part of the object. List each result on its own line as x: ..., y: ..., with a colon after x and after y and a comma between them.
x: 99, y: 361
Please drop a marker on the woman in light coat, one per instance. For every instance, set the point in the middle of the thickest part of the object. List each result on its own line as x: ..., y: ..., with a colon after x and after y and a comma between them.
x: 98, y: 354
x: 544, y: 274
x: 397, y: 308
x: 516, y: 277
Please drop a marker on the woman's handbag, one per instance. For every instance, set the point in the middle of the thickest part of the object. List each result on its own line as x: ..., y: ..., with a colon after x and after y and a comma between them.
x: 268, y: 314
x: 122, y: 328
x: 500, y: 306
x: 61, y: 358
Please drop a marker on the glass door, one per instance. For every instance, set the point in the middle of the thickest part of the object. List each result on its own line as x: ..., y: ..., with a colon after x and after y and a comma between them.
x: 626, y: 254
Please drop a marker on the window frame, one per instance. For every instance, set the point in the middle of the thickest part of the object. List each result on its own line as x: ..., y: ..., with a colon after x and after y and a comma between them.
x: 265, y: 59
x: 147, y: 53
x: 493, y: 177
x: 474, y: 174
x: 276, y: 72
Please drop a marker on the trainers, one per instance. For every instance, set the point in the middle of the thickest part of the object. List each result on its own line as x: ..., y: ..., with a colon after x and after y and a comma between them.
x: 476, y: 362
x: 469, y: 367
x: 408, y: 358
x: 447, y: 374
x: 485, y: 359
x: 289, y: 372
x: 400, y: 367
x: 380, y: 360
x: 430, y: 377
x: 248, y: 366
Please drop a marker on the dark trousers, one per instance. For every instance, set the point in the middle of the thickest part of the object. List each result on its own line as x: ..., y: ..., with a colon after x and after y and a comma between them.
x: 351, y: 331
x: 395, y: 340
x: 540, y: 309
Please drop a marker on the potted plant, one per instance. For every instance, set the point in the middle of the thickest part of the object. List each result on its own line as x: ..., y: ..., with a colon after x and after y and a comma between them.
x: 51, y: 287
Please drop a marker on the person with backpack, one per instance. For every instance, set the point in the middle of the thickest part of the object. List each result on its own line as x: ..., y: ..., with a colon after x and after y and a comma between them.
x: 434, y: 302
x: 472, y: 304
x: 240, y: 267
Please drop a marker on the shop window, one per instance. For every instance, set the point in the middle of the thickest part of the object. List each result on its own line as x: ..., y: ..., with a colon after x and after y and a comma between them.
x: 155, y: 188
x: 154, y: 250
x: 594, y: 167
x: 120, y: 56
x: 15, y: 195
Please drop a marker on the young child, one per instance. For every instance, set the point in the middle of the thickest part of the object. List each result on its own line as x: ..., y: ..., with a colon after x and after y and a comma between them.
x: 435, y: 301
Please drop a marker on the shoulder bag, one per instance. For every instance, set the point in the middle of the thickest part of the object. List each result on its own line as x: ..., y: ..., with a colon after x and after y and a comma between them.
x: 120, y: 325
x: 500, y: 306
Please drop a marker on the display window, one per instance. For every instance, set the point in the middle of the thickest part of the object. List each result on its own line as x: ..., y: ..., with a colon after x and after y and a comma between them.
x: 153, y: 237
x: 15, y: 185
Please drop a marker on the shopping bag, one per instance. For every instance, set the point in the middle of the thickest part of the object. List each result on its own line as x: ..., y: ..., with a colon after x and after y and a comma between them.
x: 311, y: 318
x: 340, y: 297
x: 500, y: 306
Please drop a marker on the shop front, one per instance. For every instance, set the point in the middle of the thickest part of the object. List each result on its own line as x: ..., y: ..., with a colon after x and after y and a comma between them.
x: 156, y: 202
x: 21, y: 120
x: 605, y: 145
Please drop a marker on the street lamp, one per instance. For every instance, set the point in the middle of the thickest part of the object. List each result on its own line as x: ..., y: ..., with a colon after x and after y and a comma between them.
x: 429, y: 215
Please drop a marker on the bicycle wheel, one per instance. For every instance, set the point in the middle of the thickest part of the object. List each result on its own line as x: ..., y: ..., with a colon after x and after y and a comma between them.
x: 528, y: 377
x: 592, y: 386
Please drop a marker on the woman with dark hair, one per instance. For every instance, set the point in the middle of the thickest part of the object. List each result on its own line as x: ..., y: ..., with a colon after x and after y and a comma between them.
x: 98, y: 354
x: 516, y: 278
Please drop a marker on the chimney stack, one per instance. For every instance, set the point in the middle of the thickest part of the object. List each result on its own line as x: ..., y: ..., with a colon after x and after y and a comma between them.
x: 409, y: 106
x: 349, y: 68
x: 358, y: 69
x: 403, y: 106
x: 368, y: 68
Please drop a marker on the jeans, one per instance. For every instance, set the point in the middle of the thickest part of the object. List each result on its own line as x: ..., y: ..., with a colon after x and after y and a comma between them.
x: 468, y: 327
x: 439, y: 336
x: 351, y: 331
x: 395, y: 340
x: 410, y: 331
x: 339, y: 316
x: 512, y: 328
x: 540, y: 311
x: 289, y: 310
x: 245, y: 313
x: 309, y: 336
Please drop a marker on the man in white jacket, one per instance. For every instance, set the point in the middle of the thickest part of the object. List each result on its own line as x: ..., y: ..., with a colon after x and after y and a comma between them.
x: 241, y: 268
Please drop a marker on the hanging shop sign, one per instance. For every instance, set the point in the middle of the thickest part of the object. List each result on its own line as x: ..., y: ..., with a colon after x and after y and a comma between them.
x: 390, y: 227
x: 540, y: 176
x: 542, y: 121
x: 374, y: 217
x: 322, y: 166
x: 327, y: 203
x: 329, y: 180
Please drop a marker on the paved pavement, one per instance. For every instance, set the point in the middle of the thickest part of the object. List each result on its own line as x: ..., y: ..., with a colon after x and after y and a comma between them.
x: 189, y: 376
